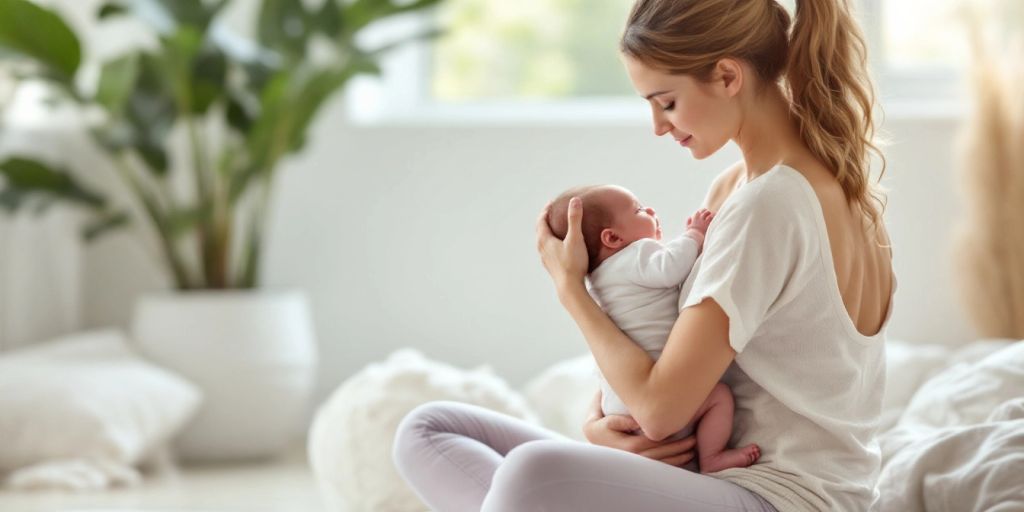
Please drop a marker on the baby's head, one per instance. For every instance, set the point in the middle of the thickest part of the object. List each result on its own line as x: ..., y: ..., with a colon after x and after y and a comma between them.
x: 612, y: 219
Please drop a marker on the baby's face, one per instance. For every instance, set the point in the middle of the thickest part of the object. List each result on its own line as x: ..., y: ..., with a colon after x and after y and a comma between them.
x: 631, y: 220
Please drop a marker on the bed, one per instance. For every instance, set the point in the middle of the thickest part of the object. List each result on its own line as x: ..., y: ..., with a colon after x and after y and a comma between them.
x: 952, y: 435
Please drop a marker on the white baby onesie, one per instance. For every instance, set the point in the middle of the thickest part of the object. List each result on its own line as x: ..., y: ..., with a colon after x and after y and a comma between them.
x: 638, y: 287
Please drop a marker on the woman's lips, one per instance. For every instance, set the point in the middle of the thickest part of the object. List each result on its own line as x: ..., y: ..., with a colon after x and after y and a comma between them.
x: 685, y: 141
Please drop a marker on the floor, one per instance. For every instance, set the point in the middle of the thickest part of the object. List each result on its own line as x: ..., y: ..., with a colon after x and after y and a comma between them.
x: 282, y: 485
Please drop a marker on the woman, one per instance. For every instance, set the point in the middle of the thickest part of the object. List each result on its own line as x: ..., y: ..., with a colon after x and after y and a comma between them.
x: 787, y: 305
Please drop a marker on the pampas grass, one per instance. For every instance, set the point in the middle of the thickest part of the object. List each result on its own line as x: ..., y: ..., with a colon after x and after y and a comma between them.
x: 989, y: 240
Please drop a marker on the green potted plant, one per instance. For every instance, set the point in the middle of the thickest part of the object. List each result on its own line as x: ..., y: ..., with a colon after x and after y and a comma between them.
x: 251, y: 350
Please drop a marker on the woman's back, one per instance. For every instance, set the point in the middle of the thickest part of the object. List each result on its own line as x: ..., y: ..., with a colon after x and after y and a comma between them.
x: 862, y: 259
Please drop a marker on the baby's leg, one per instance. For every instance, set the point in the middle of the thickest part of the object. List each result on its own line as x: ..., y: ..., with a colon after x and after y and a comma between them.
x: 713, y: 430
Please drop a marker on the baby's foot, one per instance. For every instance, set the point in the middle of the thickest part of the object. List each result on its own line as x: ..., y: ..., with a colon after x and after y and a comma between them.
x: 735, y: 458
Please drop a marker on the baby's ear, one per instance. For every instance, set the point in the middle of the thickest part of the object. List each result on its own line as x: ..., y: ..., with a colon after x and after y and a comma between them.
x: 611, y: 239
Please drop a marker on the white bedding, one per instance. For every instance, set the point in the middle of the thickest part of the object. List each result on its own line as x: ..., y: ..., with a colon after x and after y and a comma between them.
x: 959, y: 443
x: 952, y: 422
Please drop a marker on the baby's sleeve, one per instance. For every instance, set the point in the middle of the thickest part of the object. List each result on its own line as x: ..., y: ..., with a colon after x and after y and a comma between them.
x: 751, y: 254
x: 664, y: 266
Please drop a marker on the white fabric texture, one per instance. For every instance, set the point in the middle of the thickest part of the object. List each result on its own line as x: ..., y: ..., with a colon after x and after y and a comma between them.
x: 959, y: 445
x: 561, y: 394
x: 352, y: 434
x: 638, y: 288
x: 80, y: 411
x: 815, y: 382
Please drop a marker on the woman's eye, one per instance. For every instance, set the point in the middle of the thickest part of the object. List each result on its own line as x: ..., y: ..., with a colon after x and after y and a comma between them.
x: 669, y: 107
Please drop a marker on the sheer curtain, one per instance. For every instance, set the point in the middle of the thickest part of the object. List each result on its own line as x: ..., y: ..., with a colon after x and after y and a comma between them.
x: 40, y: 276
x: 40, y: 254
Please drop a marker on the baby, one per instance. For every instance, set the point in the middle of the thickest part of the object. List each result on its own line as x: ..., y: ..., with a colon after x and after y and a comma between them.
x: 636, y: 280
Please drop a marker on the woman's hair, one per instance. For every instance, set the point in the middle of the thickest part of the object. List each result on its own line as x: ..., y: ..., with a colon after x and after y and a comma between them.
x: 822, y: 62
x: 596, y: 217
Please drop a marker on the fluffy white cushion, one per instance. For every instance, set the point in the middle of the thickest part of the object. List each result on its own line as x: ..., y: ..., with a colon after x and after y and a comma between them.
x: 80, y: 411
x: 352, y: 434
x: 562, y: 393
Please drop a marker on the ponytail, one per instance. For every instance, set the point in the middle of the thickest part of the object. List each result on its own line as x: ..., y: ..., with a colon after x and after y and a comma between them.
x: 832, y: 98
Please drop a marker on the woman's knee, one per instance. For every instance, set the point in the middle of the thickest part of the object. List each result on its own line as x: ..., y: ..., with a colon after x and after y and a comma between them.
x: 527, y: 467
x: 415, y: 425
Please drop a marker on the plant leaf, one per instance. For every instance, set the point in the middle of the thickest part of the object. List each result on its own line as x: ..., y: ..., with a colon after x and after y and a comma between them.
x: 327, y: 20
x: 361, y: 13
x: 310, y: 95
x: 283, y: 26
x: 209, y: 71
x: 110, y: 10
x: 31, y: 176
x: 41, y: 34
x: 184, y: 220
x: 104, y: 224
x: 117, y: 78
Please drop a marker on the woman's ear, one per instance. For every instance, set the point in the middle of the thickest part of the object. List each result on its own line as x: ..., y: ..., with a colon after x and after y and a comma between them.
x: 730, y: 73
x: 611, y: 239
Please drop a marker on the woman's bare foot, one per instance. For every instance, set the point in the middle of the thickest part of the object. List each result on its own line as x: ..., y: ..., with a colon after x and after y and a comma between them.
x: 735, y: 458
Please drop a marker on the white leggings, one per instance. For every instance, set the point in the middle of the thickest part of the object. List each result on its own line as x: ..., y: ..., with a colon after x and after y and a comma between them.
x: 459, y: 457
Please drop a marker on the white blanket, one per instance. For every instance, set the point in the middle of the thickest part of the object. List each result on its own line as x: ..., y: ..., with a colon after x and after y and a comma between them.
x: 959, y: 444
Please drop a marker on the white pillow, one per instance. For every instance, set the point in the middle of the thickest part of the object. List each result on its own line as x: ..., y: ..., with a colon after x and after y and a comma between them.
x: 85, y: 399
x: 350, y: 442
x: 561, y: 394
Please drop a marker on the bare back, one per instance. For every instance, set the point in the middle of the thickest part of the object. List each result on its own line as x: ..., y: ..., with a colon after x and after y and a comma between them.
x: 862, y: 260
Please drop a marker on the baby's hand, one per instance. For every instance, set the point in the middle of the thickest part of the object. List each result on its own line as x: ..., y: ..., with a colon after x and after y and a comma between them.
x: 700, y: 220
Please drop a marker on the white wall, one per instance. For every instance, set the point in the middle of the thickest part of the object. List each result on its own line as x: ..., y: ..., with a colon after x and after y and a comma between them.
x: 423, y: 236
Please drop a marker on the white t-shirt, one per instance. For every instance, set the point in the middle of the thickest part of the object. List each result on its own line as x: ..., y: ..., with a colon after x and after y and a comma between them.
x: 638, y: 288
x: 807, y: 385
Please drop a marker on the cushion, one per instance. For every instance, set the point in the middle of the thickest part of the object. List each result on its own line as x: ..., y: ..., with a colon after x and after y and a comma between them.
x: 562, y: 393
x: 85, y: 404
x: 352, y: 434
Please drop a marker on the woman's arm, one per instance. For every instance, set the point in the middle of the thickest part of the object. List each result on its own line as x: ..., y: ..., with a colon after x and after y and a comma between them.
x: 662, y: 395
x: 617, y: 431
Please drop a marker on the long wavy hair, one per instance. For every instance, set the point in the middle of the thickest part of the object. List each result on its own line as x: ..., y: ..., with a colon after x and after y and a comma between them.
x: 820, y: 61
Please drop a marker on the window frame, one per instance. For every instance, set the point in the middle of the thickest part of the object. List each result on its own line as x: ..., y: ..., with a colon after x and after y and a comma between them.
x: 926, y: 92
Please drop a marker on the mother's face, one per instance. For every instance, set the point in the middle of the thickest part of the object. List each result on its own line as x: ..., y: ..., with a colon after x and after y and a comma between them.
x: 700, y: 116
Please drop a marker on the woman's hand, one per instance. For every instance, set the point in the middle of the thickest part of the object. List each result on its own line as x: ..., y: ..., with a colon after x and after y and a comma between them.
x: 617, y: 431
x: 566, y: 260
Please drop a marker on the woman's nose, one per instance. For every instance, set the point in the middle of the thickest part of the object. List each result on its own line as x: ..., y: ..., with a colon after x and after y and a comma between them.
x: 661, y: 125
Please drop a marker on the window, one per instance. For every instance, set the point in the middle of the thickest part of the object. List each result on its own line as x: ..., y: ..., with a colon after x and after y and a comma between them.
x: 529, y: 49
x: 556, y: 58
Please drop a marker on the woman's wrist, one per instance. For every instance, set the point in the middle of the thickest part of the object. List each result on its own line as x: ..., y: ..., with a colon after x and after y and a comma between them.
x: 569, y: 292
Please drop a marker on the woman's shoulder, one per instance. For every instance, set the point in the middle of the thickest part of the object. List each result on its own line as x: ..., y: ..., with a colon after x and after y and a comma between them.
x: 779, y: 194
x: 723, y: 185
x: 775, y: 189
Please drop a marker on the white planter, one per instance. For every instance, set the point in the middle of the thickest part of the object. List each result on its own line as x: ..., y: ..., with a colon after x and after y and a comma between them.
x: 253, y: 353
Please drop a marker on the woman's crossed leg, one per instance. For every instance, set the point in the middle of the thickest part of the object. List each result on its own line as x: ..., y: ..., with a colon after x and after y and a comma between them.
x: 460, y: 457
